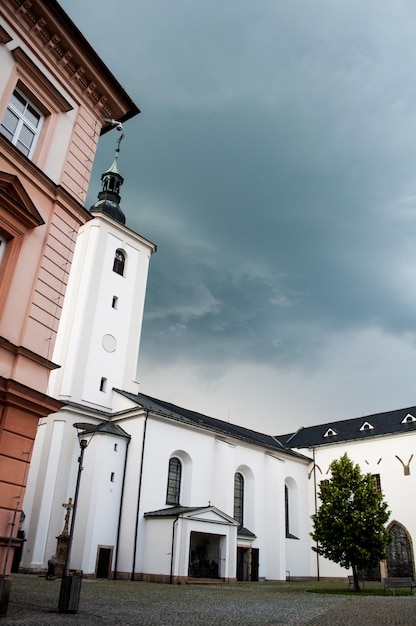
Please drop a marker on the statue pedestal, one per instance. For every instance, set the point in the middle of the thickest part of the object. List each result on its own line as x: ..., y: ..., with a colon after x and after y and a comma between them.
x: 61, y: 552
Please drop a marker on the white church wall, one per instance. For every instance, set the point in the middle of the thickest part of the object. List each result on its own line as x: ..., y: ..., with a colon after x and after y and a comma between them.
x: 224, y: 463
x: 208, y: 468
x: 377, y: 455
x: 50, y: 478
x: 157, y: 552
x: 298, y: 549
x: 134, y: 426
x: 163, y: 440
x: 100, y: 495
x: 32, y: 492
x: 273, y: 557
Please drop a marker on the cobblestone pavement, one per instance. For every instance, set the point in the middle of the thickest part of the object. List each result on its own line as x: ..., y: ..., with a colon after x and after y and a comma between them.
x: 34, y: 602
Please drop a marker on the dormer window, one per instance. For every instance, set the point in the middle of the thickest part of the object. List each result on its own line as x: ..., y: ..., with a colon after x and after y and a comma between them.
x: 119, y: 262
x: 330, y: 433
x: 366, y: 426
x: 408, y: 419
x: 21, y: 123
x: 377, y: 482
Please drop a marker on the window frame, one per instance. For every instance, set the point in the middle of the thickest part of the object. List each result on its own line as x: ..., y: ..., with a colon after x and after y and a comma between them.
x: 173, y: 487
x: 377, y: 482
x: 42, y: 94
x: 119, y: 265
x: 291, y: 510
x: 238, y: 508
x: 23, y: 122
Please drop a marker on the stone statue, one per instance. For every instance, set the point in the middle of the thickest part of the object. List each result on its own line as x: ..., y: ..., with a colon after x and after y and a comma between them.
x: 52, y: 568
x: 68, y: 506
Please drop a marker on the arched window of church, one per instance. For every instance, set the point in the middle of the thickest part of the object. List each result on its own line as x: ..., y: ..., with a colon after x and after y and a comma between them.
x: 287, y: 511
x: 239, y: 498
x: 173, y: 491
x: 119, y: 262
x: 399, y: 553
x: 291, y: 510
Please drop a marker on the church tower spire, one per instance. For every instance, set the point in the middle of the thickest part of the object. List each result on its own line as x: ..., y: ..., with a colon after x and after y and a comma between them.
x: 109, y: 197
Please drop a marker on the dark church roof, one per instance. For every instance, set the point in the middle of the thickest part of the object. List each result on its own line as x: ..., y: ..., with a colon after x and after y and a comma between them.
x: 186, y: 416
x: 105, y: 427
x: 367, y: 427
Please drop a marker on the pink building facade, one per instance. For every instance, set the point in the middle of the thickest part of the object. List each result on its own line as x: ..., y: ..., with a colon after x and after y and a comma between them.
x: 54, y: 95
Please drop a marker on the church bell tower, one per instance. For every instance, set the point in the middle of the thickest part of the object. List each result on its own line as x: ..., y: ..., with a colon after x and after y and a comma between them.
x: 98, y: 339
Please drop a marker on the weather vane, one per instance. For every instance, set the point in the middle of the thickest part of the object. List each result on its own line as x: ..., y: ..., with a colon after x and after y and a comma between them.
x: 119, y: 127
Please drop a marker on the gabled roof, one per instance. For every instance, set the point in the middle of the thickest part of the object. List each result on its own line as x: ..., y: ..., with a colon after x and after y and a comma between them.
x: 245, y: 532
x: 105, y: 427
x: 366, y: 427
x: 195, y: 512
x: 204, y: 422
x: 17, y: 202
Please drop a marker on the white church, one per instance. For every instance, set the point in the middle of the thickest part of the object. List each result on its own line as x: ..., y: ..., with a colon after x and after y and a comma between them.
x: 167, y: 494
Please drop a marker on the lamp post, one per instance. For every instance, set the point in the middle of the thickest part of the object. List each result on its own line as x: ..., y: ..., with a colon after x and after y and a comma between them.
x: 71, y: 584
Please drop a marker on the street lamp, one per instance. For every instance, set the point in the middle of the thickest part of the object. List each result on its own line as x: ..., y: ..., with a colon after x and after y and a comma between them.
x: 71, y: 585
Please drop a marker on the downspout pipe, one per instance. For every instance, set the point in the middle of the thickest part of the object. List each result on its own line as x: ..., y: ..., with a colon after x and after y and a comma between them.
x: 172, y: 549
x: 136, y: 528
x: 316, y: 509
x: 121, y: 510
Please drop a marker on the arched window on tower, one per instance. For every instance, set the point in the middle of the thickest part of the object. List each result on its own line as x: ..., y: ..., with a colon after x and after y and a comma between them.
x: 239, y: 498
x: 119, y: 262
x: 173, y: 491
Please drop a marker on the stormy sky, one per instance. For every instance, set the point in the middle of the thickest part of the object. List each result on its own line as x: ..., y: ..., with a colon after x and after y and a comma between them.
x: 274, y: 165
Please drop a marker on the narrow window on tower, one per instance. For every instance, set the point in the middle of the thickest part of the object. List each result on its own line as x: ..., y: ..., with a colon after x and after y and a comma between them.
x: 119, y: 262
x: 115, y: 302
x: 103, y: 384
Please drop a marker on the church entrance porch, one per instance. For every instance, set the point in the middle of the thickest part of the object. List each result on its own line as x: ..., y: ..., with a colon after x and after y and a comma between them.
x: 182, y: 544
x: 204, y: 555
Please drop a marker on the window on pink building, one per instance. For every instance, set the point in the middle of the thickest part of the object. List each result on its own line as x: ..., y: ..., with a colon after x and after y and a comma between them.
x: 22, y: 123
x: 2, y: 246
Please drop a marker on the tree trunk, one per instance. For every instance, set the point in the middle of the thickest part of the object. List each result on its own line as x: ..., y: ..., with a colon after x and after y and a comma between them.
x: 356, y: 581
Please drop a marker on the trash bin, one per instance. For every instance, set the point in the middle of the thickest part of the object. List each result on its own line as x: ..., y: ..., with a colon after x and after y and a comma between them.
x: 70, y: 592
x: 5, y: 586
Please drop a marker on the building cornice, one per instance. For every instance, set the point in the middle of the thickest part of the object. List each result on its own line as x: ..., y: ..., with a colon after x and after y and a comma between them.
x: 69, y: 55
x: 5, y: 344
x: 13, y: 393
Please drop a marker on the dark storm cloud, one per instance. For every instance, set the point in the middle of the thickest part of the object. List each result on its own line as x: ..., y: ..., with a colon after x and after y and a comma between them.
x: 274, y: 165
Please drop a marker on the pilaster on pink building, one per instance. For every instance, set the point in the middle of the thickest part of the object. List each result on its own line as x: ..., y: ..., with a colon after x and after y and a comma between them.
x: 55, y: 94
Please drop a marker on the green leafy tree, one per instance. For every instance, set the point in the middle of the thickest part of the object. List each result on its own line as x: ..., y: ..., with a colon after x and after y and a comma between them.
x: 349, y: 526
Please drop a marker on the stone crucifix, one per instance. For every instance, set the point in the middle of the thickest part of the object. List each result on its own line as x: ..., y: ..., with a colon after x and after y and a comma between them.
x: 68, y: 506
